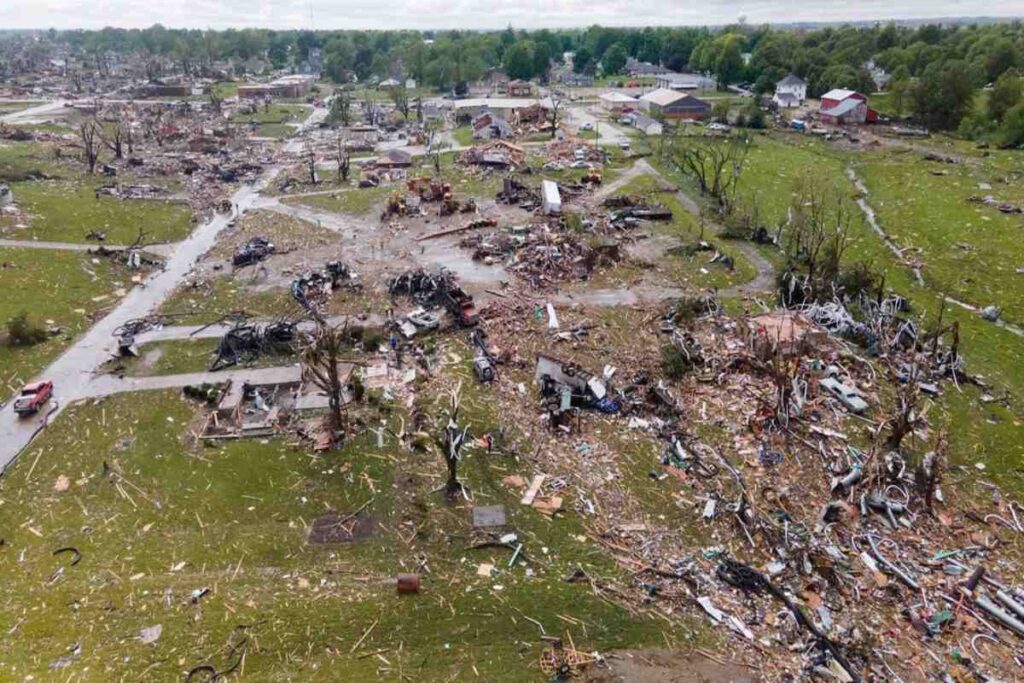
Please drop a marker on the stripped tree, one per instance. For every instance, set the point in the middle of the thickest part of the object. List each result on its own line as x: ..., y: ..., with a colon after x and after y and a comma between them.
x: 451, y: 441
x: 89, y: 135
x: 310, y: 156
x: 905, y: 416
x: 400, y: 96
x: 320, y: 354
x: 554, y: 112
x: 343, y: 157
x: 714, y: 161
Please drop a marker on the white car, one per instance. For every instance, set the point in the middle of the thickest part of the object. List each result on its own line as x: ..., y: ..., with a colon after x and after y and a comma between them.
x: 718, y: 127
x: 846, y: 394
x: 624, y: 145
x: 586, y: 126
x: 579, y: 164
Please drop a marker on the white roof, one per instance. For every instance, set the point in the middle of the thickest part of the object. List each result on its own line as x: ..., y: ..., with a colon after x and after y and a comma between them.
x: 663, y: 96
x: 838, y: 94
x: 617, y: 97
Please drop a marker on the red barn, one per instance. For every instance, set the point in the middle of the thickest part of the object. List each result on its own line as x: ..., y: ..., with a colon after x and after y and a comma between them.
x: 846, y: 106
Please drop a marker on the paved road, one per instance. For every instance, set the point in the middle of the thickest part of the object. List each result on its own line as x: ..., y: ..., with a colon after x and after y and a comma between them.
x: 27, y: 115
x: 72, y: 372
x: 608, y: 134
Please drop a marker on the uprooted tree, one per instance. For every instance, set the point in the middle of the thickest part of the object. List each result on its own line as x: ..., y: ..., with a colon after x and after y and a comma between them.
x: 714, y: 161
x: 320, y: 354
x: 451, y: 440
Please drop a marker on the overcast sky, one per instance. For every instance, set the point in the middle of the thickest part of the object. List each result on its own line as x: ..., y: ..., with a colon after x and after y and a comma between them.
x: 425, y: 14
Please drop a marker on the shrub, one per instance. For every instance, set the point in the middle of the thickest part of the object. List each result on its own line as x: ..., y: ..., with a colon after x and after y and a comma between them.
x: 674, y: 363
x: 23, y: 332
x: 859, y: 278
x: 372, y: 339
x: 357, y: 386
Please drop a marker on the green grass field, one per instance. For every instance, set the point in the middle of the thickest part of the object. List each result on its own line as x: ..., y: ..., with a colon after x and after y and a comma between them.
x: 356, y: 202
x: 969, y: 250
x: 272, y: 121
x: 62, y: 206
x: 234, y: 519
x: 464, y: 136
x: 222, y: 295
x: 67, y: 210
x: 679, y: 267
x: 52, y: 286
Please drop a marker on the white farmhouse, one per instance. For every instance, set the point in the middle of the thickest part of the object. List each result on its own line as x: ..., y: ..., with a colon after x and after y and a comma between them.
x: 791, y: 91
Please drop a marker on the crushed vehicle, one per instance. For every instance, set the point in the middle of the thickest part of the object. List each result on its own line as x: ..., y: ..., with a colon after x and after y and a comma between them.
x: 253, y: 251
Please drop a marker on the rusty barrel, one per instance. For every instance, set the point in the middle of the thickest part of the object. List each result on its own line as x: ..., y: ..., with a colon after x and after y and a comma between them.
x: 408, y: 583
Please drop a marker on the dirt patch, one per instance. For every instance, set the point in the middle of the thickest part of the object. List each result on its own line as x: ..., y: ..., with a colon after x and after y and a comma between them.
x: 335, y: 527
x: 668, y: 666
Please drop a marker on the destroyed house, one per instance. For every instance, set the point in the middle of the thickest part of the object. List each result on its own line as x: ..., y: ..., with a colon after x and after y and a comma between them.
x: 519, y: 88
x: 499, y: 153
x: 573, y: 383
x: 489, y: 125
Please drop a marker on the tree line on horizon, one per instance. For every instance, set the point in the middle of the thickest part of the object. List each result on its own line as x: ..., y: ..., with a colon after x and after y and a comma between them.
x: 952, y: 77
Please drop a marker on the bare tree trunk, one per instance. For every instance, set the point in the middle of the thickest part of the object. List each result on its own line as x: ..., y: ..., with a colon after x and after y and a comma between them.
x: 88, y: 133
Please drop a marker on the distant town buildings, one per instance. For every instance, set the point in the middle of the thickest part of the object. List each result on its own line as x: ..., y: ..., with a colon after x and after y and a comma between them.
x: 295, y: 86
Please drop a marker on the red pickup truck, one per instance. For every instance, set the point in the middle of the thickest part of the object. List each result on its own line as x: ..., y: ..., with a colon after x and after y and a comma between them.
x: 32, y: 397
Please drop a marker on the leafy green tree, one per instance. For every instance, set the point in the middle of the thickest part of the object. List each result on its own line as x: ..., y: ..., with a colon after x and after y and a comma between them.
x: 542, y: 55
x: 518, y: 59
x: 1011, y: 131
x: 728, y: 59
x: 944, y: 94
x: 1001, y: 56
x: 1004, y: 95
x: 614, y: 59
x: 899, y: 95
x: 582, y: 60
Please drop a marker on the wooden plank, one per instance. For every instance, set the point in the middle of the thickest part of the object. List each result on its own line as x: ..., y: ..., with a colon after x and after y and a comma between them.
x: 533, y: 490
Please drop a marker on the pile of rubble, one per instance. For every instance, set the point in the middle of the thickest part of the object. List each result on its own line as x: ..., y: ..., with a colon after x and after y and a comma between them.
x: 498, y: 154
x: 542, y: 254
x: 818, y: 537
x: 433, y: 291
x: 245, y: 343
x: 312, y: 289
